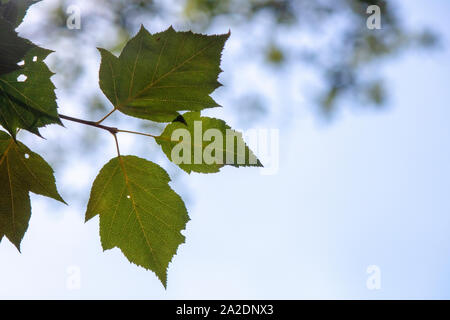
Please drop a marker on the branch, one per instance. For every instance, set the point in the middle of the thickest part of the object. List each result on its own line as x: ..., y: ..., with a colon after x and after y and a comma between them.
x: 112, y: 130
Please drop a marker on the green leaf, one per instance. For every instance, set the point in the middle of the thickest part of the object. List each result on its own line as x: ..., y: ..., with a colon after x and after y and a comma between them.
x: 158, y: 75
x: 139, y: 212
x: 203, y: 144
x: 12, y: 47
x: 27, y: 97
x: 14, y: 10
x: 30, y: 104
x: 21, y: 171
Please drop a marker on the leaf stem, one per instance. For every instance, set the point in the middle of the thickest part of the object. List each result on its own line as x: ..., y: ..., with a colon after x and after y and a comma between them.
x: 113, y: 130
x: 117, y: 144
x: 148, y: 135
x: 139, y: 133
x: 104, y: 118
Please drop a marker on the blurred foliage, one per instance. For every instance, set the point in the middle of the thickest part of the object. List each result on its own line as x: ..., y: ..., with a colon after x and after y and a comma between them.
x: 341, y: 62
x: 327, y: 37
x: 275, y: 54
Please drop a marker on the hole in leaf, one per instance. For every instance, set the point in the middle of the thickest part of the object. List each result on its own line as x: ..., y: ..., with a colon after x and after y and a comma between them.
x: 22, y: 78
x: 21, y: 63
x: 128, y: 197
x: 27, y: 156
x: 34, y: 59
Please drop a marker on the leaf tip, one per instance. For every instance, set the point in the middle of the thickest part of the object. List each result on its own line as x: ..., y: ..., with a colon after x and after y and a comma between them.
x: 17, y: 245
x: 60, y: 199
x: 259, y: 164
x: 101, y: 50
x: 164, y: 282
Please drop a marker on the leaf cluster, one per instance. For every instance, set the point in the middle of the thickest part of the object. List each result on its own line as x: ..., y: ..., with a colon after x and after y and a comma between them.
x: 165, y: 77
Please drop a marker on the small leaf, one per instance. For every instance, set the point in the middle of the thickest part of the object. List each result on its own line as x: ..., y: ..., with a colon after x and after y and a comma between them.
x: 158, y: 75
x: 203, y: 144
x: 21, y: 171
x: 139, y: 212
x: 28, y: 104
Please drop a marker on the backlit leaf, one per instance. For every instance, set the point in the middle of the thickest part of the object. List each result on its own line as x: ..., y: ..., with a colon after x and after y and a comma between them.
x: 139, y: 212
x: 21, y: 171
x: 204, y: 144
x: 12, y: 47
x: 14, y: 10
x: 157, y: 75
x: 31, y: 103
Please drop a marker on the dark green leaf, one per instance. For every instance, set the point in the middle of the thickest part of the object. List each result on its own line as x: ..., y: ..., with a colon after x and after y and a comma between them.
x: 30, y: 104
x: 139, y: 212
x: 12, y: 47
x: 14, y: 10
x: 158, y: 75
x: 21, y: 171
x: 187, y: 145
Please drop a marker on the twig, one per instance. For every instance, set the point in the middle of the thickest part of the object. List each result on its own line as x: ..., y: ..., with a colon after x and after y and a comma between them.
x: 113, y: 130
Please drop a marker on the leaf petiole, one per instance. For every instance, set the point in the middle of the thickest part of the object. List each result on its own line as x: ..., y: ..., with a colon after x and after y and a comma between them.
x: 105, y: 117
x: 112, y: 130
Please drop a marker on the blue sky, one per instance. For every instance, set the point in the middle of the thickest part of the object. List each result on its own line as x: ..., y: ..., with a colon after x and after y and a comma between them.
x: 371, y: 188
